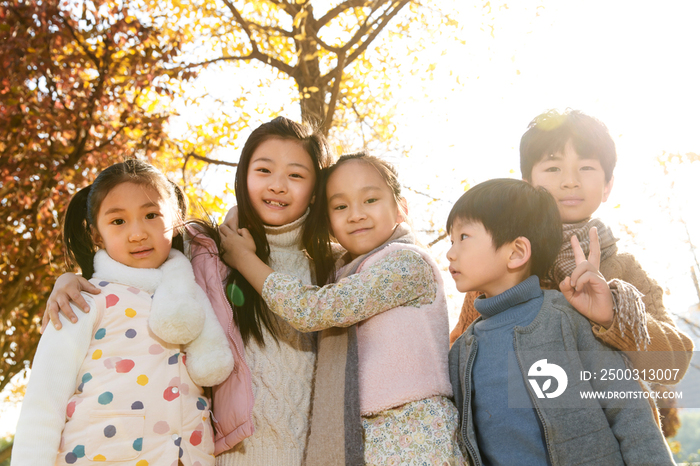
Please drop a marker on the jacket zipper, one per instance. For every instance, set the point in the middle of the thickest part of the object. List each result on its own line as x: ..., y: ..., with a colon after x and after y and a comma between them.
x: 470, y: 447
x: 534, y: 403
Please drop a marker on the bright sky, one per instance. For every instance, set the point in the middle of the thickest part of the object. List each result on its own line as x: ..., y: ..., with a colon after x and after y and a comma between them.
x: 632, y: 66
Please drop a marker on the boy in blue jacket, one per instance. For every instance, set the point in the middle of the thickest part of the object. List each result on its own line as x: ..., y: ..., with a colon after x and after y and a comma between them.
x: 531, y: 382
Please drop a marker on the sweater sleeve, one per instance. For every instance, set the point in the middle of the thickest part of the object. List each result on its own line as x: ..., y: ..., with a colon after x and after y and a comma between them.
x: 664, y: 335
x: 399, y: 279
x: 55, y: 369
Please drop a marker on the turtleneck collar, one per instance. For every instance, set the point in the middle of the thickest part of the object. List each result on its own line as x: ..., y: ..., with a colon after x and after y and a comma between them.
x: 287, y: 236
x: 520, y: 293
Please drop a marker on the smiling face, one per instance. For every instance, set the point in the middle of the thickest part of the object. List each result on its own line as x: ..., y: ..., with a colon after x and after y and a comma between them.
x: 362, y: 209
x: 475, y: 264
x: 281, y: 181
x: 578, y: 185
x: 135, y: 226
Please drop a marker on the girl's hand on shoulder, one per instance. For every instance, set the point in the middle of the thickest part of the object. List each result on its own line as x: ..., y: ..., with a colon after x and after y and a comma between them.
x: 231, y: 219
x: 586, y: 289
x: 238, y: 244
x: 66, y: 290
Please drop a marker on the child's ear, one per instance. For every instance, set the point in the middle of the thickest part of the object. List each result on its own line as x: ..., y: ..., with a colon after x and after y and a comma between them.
x: 608, y: 188
x: 520, y: 253
x: 403, y: 210
x: 313, y: 198
x: 96, y: 238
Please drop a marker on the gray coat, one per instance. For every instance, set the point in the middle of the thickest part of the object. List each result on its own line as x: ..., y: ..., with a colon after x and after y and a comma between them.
x: 577, y: 431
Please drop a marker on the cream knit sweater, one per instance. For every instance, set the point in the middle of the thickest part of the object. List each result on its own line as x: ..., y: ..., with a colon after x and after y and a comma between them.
x: 282, y: 374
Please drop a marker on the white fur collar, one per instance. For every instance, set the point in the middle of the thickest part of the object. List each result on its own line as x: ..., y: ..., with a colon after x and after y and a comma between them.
x: 148, y: 280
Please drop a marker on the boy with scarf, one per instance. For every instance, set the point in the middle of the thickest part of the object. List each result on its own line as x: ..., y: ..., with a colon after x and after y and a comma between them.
x: 505, y: 235
x: 573, y: 156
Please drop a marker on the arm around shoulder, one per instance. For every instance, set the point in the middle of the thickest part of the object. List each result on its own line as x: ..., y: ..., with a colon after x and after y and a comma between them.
x: 401, y: 277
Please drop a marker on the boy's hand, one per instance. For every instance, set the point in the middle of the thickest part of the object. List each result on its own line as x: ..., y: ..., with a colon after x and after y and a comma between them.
x: 66, y: 290
x: 586, y: 289
x: 237, y: 244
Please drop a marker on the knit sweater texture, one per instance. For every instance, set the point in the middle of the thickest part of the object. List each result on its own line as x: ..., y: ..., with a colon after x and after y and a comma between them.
x: 494, y: 335
x: 282, y: 372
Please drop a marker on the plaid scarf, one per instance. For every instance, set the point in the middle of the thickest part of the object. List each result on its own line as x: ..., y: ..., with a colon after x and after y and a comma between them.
x: 565, y: 262
x: 627, y: 300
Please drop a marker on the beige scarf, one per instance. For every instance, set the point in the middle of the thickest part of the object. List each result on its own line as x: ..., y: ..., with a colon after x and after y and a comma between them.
x: 335, y: 433
x: 565, y: 262
x: 627, y: 300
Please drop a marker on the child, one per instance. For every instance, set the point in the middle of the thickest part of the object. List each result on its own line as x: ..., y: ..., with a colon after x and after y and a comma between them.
x: 573, y: 156
x: 122, y: 391
x: 505, y: 233
x: 404, y: 387
x: 262, y: 410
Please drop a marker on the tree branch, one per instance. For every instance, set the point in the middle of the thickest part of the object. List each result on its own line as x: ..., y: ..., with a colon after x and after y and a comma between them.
x: 387, y: 19
x: 335, y: 12
x: 328, y: 122
x: 97, y: 146
x: 268, y: 29
x: 255, y: 53
x: 215, y: 60
x: 437, y: 240
x: 423, y: 194
x: 87, y: 52
x: 378, y: 25
x: 242, y: 22
x: 208, y: 160
x: 289, y: 8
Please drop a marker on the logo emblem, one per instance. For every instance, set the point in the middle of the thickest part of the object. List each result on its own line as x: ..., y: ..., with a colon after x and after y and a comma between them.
x: 551, y: 371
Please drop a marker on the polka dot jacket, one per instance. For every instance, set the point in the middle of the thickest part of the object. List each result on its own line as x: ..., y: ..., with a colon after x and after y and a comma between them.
x: 133, y: 401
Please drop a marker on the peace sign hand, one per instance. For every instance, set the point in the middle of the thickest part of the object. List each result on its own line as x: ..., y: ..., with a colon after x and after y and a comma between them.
x: 586, y: 289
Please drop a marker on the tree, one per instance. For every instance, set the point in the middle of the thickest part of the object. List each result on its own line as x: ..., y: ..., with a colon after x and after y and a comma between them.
x: 80, y: 84
x: 329, y: 53
x: 85, y: 83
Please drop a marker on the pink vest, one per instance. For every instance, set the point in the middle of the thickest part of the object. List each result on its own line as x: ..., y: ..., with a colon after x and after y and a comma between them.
x: 403, y: 352
x: 233, y: 399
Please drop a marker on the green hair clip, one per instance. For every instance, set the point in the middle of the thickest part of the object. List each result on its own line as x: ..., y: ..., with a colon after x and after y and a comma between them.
x: 235, y: 294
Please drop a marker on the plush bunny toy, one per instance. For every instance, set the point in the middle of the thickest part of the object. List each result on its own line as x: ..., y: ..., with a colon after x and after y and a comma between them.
x: 181, y: 314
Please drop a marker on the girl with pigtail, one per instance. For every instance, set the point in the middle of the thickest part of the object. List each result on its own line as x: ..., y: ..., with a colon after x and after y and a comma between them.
x: 115, y: 387
x: 261, y: 411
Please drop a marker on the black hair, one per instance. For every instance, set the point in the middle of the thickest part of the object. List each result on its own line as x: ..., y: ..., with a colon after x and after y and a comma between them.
x: 253, y: 314
x: 80, y: 220
x: 320, y: 217
x: 549, y: 133
x: 509, y: 209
